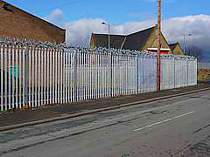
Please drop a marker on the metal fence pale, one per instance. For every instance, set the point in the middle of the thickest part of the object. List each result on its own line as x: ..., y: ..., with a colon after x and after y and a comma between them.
x: 38, y: 75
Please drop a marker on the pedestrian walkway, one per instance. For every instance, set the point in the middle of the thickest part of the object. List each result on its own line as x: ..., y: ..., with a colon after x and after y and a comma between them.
x: 55, y: 111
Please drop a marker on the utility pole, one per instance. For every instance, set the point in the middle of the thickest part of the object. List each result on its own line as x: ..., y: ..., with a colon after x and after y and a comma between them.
x: 159, y: 47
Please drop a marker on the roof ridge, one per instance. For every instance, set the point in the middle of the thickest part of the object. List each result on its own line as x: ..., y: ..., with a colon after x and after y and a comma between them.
x: 143, y: 30
x: 30, y: 14
x: 176, y: 43
x: 109, y: 34
x: 126, y: 35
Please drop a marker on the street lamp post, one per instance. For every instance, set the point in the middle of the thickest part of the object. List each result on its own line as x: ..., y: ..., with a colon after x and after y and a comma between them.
x: 185, y: 41
x: 159, y: 47
x: 109, y: 34
x: 109, y: 47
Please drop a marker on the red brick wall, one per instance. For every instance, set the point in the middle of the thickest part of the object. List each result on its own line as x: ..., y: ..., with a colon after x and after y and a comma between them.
x: 16, y: 23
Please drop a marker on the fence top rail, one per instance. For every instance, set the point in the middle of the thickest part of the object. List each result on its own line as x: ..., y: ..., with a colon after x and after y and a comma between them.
x: 178, y: 57
x: 31, y: 44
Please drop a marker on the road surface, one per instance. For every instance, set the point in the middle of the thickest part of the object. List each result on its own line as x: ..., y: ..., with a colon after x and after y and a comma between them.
x: 176, y: 127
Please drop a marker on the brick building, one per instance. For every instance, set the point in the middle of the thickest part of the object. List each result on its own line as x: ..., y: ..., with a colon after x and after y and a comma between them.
x: 16, y: 23
x: 144, y: 41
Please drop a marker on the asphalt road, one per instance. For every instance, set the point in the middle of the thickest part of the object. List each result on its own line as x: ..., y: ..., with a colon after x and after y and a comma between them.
x: 177, y: 127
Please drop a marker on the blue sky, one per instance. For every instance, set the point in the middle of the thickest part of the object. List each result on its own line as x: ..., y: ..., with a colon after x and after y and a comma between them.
x: 114, y: 11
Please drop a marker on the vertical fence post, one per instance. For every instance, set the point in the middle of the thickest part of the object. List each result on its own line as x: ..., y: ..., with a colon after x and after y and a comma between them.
x: 127, y: 75
x: 111, y: 70
x: 174, y: 72
x: 75, y: 76
x: 196, y: 71
x: 1, y: 79
x: 137, y: 60
x: 187, y: 72
x: 26, y: 77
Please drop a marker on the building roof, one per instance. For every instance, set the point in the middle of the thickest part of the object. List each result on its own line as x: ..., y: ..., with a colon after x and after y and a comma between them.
x: 101, y: 40
x: 176, y: 48
x: 18, y: 23
x: 135, y: 41
x: 172, y: 46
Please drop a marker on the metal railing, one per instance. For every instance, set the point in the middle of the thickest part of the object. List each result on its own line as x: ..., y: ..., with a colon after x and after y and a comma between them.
x: 38, y: 74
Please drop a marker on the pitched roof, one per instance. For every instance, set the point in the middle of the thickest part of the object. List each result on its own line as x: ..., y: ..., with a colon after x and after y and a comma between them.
x: 173, y: 46
x: 133, y: 41
x: 176, y: 48
x: 137, y: 40
x: 101, y: 40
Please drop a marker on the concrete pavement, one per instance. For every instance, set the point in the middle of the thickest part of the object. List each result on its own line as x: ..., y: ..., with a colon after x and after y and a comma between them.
x: 49, y: 113
x: 173, y: 127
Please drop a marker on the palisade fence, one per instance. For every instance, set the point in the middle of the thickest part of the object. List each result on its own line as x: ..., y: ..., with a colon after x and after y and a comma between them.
x: 38, y: 74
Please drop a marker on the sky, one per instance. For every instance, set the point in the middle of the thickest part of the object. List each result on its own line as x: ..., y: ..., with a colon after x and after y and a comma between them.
x: 82, y: 17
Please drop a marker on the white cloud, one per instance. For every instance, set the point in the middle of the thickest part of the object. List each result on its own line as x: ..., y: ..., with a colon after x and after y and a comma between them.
x: 78, y: 32
x: 56, y: 16
x: 197, y: 25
